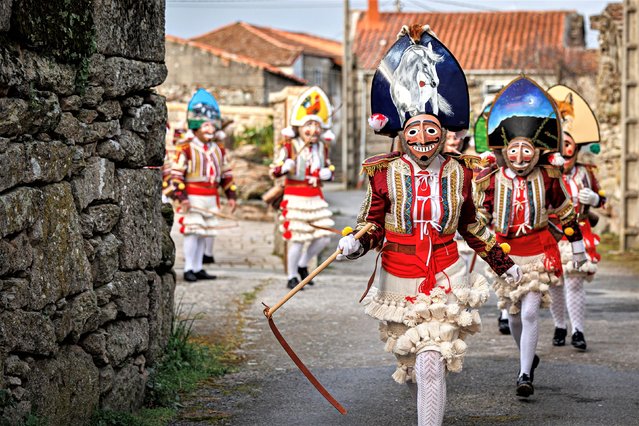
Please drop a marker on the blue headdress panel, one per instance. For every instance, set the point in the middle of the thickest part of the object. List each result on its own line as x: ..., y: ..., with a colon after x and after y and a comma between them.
x: 203, y: 107
x: 419, y: 76
x: 524, y: 109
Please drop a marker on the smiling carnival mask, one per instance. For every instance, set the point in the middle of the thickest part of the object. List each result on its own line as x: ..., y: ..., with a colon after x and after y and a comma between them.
x: 521, y: 156
x: 423, y: 138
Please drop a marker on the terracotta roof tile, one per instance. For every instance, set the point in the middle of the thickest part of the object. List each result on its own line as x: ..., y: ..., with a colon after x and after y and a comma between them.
x: 521, y: 40
x: 230, y: 56
x: 277, y: 47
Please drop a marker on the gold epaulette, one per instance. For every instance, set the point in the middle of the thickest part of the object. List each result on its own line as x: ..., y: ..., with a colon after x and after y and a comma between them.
x: 482, y: 181
x: 472, y: 161
x: 378, y: 162
x: 553, y: 171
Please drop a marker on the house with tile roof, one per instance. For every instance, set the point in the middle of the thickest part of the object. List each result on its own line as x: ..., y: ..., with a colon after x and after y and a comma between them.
x: 492, y: 47
x: 316, y: 60
x: 233, y: 78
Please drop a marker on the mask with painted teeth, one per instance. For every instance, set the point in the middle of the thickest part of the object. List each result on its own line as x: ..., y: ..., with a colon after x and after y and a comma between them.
x: 422, y: 138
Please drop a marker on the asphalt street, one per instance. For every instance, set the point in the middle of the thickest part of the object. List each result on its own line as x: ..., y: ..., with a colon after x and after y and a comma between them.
x: 329, y: 331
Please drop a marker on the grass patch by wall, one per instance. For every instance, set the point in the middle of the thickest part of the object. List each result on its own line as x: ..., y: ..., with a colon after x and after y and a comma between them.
x: 186, y: 363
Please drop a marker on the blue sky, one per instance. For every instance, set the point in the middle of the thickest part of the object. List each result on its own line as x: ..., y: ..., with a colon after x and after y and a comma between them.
x: 188, y: 18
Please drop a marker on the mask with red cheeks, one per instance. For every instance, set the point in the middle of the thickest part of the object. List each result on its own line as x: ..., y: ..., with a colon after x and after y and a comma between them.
x: 423, y: 138
x: 310, y: 131
x: 521, y: 156
x: 570, y: 152
x: 206, y: 132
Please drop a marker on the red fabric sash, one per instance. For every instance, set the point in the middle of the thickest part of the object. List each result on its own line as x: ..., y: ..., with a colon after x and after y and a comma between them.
x: 301, y: 189
x: 590, y: 240
x: 534, y: 244
x: 206, y: 189
x: 443, y: 253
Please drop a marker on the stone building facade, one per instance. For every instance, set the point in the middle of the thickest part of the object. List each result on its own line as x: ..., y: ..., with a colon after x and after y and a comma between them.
x: 233, y: 79
x: 86, y: 285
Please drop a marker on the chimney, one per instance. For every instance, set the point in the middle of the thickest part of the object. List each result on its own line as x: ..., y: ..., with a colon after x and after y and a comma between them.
x: 373, y: 12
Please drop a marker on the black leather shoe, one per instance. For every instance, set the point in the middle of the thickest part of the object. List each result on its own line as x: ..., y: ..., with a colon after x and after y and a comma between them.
x: 208, y: 259
x: 504, y: 328
x: 203, y: 275
x: 190, y: 276
x: 293, y: 282
x: 524, y: 386
x: 578, y: 340
x: 535, y: 364
x: 303, y: 274
x: 559, y: 339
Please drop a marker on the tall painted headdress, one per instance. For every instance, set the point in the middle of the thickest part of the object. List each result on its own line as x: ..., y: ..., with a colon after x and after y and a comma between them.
x: 203, y: 107
x: 312, y: 104
x: 418, y: 75
x: 524, y: 110
x: 480, y: 131
x: 577, y: 118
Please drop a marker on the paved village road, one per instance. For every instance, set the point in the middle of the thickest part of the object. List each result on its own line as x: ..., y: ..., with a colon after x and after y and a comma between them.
x: 328, y: 330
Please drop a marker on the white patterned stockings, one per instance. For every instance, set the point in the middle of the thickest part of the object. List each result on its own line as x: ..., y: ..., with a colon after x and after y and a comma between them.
x: 524, y: 327
x: 431, y: 388
x: 573, y: 297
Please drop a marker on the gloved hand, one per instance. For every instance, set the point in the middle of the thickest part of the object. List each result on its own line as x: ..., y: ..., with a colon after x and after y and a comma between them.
x: 288, y: 165
x: 578, y: 259
x: 588, y: 196
x: 350, y: 247
x: 325, y: 173
x: 513, y: 274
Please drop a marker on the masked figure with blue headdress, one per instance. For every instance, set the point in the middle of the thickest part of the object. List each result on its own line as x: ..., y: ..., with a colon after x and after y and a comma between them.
x: 517, y: 197
x: 417, y: 199
x: 198, y: 173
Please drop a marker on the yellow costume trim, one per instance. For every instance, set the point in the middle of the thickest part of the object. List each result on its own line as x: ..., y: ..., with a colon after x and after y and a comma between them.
x: 378, y: 162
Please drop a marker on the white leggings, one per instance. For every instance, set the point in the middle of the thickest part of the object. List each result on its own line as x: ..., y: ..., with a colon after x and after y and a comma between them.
x: 574, y: 298
x: 299, y: 258
x: 193, y: 252
x: 430, y: 373
x: 524, y: 327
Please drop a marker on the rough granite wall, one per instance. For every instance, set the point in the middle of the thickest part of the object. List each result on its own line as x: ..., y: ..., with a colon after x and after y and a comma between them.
x: 610, y: 25
x: 86, y: 286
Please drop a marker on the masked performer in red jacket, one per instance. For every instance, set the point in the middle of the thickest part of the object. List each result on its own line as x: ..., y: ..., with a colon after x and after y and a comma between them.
x: 517, y: 198
x: 580, y: 128
x: 417, y: 199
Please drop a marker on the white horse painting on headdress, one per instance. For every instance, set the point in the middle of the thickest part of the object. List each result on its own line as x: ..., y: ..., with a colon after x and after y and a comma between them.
x: 415, y: 83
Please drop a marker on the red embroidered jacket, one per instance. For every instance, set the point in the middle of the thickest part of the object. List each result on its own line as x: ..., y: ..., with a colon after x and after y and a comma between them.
x: 390, y: 206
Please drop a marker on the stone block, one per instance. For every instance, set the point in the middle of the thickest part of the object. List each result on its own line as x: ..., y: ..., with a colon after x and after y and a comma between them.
x: 47, y: 161
x: 5, y: 15
x: 120, y: 76
x: 15, y: 254
x: 14, y: 366
x: 13, y: 163
x: 19, y: 209
x: 27, y: 332
x: 105, y: 262
x: 71, y: 103
x: 101, y: 219
x: 95, y: 183
x: 111, y: 150
x: 14, y: 293
x: 126, y: 338
x: 60, y: 267
x: 95, y: 345
x: 127, y: 389
x: 110, y: 110
x: 131, y: 293
x: 87, y: 116
x: 161, y: 298
x: 39, y: 114
x: 65, y: 390
x: 140, y: 225
x: 139, y: 33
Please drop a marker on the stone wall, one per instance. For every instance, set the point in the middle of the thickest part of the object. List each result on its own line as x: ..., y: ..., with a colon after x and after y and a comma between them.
x: 86, y: 286
x: 608, y: 109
